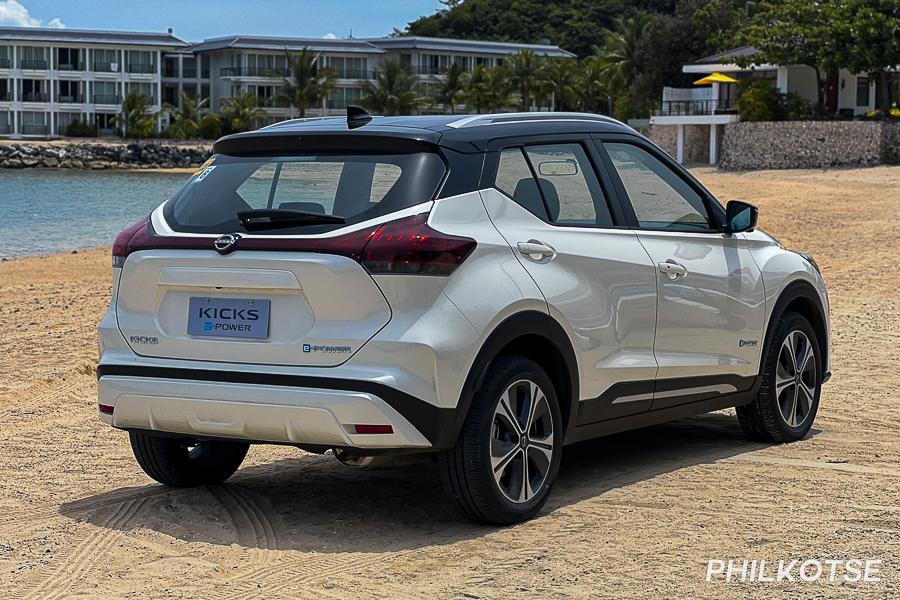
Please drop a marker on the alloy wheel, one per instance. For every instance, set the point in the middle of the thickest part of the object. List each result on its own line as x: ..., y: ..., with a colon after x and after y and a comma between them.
x: 795, y: 378
x: 522, y: 443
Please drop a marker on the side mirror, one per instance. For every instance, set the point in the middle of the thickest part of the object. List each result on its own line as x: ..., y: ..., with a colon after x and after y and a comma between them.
x: 740, y: 216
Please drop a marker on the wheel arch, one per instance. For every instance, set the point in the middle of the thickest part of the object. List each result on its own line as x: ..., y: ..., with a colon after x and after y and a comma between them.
x: 802, y: 298
x: 537, y: 336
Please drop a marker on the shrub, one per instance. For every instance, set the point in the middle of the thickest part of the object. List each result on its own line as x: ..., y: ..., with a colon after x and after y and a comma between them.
x: 759, y: 100
x: 81, y: 129
x: 210, y: 127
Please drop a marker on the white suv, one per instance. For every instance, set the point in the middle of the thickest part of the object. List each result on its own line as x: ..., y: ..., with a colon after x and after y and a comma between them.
x: 486, y: 288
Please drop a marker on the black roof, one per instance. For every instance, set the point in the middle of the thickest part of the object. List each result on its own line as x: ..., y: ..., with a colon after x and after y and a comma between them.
x: 464, y: 133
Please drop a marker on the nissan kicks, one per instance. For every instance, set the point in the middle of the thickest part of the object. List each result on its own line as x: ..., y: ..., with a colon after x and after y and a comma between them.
x: 487, y: 288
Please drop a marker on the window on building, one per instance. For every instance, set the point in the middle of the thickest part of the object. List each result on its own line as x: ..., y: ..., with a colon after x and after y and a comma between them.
x: 5, y: 57
x: 141, y: 61
x: 189, y: 67
x: 68, y: 91
x: 170, y: 66
x: 34, y: 123
x: 105, y: 92
x: 862, y: 91
x: 32, y: 57
x: 69, y: 59
x: 142, y: 88
x: 4, y: 123
x: 105, y: 61
x: 5, y: 90
x: 34, y: 90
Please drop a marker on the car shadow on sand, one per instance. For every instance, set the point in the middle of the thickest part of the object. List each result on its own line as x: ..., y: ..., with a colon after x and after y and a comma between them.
x: 313, y: 503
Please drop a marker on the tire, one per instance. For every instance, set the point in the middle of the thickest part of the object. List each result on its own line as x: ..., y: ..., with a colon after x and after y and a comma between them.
x: 181, y: 462
x: 466, y: 469
x: 786, y: 405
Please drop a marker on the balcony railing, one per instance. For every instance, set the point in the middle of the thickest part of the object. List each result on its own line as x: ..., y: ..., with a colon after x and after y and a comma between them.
x: 5, y: 97
x: 269, y: 72
x: 341, y: 103
x: 70, y: 98
x: 189, y: 73
x: 107, y: 99
x: 35, y: 129
x: 684, y: 108
x: 141, y: 68
x: 5, y: 63
x: 354, y: 74
x: 33, y: 65
x: 204, y: 74
x: 70, y: 67
x: 107, y: 132
x: 5, y: 129
x: 35, y: 97
x: 104, y: 67
x: 170, y: 72
x: 272, y: 102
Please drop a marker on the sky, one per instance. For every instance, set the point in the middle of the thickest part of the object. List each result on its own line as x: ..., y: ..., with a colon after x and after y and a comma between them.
x: 194, y: 20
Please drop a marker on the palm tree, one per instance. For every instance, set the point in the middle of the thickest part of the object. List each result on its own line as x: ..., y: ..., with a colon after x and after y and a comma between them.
x: 591, y: 86
x: 525, y: 70
x: 306, y: 84
x: 393, y: 92
x: 242, y: 112
x: 560, y: 80
x: 185, y: 121
x: 488, y: 89
x: 619, y: 51
x: 135, y: 118
x: 450, y: 89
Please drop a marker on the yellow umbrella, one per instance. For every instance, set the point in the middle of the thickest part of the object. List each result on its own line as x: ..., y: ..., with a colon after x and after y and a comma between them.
x: 715, y: 78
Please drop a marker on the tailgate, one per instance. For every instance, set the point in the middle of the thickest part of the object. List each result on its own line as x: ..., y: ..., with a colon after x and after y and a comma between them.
x: 279, y: 308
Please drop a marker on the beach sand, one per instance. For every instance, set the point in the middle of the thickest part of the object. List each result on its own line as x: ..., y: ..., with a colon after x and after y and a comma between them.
x: 634, y: 515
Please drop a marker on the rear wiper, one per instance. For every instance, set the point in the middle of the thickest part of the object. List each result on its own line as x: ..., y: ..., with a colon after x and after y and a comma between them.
x: 273, y: 218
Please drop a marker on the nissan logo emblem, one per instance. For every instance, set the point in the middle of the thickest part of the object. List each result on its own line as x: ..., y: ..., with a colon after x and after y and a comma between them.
x: 227, y: 243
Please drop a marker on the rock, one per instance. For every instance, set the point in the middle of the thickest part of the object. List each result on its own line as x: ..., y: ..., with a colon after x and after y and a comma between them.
x: 110, y: 155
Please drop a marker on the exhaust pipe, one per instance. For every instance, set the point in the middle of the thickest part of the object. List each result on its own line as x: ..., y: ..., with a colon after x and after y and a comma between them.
x: 345, y: 457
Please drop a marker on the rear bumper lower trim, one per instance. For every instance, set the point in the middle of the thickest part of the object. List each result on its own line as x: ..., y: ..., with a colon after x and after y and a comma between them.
x: 433, y: 422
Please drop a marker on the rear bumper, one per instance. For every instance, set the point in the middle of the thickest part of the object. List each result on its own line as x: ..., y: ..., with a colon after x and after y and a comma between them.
x: 183, y: 403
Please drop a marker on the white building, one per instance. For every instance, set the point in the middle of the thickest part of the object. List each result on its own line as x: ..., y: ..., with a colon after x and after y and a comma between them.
x: 50, y: 78
x: 846, y: 94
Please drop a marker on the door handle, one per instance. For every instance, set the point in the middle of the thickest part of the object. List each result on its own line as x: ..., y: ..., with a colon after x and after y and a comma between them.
x: 535, y: 250
x: 673, y: 269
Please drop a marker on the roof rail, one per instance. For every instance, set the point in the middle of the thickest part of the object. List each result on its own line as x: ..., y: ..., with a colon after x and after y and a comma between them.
x: 293, y: 121
x: 528, y: 117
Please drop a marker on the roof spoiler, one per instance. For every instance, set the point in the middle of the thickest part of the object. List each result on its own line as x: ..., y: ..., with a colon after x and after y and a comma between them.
x: 357, y: 116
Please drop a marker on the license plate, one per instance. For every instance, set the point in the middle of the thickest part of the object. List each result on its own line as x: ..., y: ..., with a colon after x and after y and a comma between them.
x: 228, y: 317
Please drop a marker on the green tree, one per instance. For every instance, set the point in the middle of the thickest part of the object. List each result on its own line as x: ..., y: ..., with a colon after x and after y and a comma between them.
x: 488, y: 89
x: 591, y: 86
x: 306, y: 84
x: 241, y: 113
x: 393, y: 92
x: 185, y: 121
x: 135, y: 118
x: 560, y: 78
x: 210, y: 127
x: 618, y: 57
x: 526, y: 76
x: 795, y: 32
x: 869, y: 41
x: 450, y: 87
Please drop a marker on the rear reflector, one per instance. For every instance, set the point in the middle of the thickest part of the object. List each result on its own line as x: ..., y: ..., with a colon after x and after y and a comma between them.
x: 405, y: 246
x: 374, y: 429
x: 106, y: 409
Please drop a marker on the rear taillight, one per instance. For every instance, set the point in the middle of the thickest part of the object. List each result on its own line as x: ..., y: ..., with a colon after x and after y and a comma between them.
x: 405, y: 246
x: 410, y: 247
x: 120, y: 248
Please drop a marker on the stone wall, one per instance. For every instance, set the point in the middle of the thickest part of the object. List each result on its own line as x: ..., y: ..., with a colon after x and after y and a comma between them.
x: 696, y: 141
x: 91, y: 155
x: 809, y: 144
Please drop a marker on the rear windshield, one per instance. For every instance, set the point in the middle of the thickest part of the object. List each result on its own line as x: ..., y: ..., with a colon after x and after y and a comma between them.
x: 354, y: 187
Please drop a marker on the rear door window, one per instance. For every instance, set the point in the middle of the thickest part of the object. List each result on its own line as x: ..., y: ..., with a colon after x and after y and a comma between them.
x: 556, y: 183
x: 354, y: 187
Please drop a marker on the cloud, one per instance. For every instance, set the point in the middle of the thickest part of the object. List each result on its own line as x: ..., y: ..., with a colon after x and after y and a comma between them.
x: 13, y: 13
x: 329, y: 36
